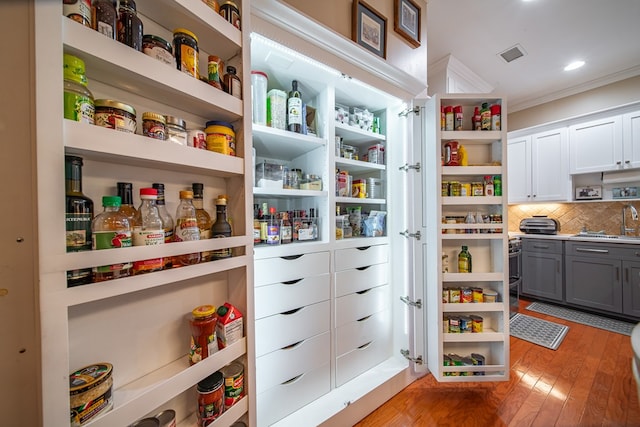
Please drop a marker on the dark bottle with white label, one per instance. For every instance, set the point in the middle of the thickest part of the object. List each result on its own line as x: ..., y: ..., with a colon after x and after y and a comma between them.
x: 129, y: 25
x: 294, y: 109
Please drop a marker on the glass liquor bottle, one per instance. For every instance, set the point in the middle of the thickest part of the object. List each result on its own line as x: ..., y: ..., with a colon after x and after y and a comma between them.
x: 149, y: 230
x: 464, y: 260
x: 125, y: 192
x: 110, y: 229
x: 221, y: 228
x: 273, y: 228
x: 186, y: 228
x: 78, y: 217
x: 285, y: 229
x: 294, y: 109
x: 203, y: 217
x: 256, y: 224
x: 264, y: 223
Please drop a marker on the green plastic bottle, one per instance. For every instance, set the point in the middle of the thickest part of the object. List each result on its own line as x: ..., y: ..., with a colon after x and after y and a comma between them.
x: 497, y: 185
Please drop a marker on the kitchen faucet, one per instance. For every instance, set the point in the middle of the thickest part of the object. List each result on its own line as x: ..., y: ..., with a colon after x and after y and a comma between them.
x: 634, y: 215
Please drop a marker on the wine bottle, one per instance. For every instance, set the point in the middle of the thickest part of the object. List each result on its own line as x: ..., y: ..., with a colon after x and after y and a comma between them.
x: 294, y: 109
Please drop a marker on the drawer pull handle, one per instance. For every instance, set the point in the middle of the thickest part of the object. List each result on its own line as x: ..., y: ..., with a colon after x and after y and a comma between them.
x: 363, y: 248
x: 541, y: 246
x: 637, y: 253
x: 292, y: 257
x: 363, y: 268
x: 295, y: 310
x: 363, y: 292
x: 292, y: 380
x: 364, y: 318
x: 292, y: 282
x: 294, y: 345
x: 365, y: 345
x: 598, y: 251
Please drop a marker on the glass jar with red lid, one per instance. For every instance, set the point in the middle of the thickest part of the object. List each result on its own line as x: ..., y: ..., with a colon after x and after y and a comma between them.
x: 203, y: 333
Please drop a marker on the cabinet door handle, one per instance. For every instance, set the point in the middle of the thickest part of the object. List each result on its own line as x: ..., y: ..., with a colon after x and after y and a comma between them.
x: 626, y: 275
x: 617, y: 273
x: 292, y: 282
x: 627, y: 161
x: 541, y: 246
x: 637, y: 253
x: 599, y: 251
x: 363, y: 248
x: 558, y: 266
x: 292, y: 257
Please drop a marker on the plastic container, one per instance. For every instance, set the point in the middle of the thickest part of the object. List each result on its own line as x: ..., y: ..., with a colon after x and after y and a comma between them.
x: 269, y: 175
x: 277, y: 109
x: 259, y: 81
x: 221, y: 137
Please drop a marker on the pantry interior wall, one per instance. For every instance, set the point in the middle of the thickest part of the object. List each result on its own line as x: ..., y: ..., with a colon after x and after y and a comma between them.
x: 20, y: 351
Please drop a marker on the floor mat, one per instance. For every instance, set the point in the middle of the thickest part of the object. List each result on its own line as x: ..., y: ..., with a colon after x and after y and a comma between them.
x: 537, y: 331
x: 577, y: 316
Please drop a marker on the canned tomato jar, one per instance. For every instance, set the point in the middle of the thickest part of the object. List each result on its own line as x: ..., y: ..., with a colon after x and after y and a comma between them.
x: 210, y: 398
x: 115, y: 115
x: 221, y: 138
x: 185, y: 47
x: 154, y: 125
x: 90, y: 392
x: 203, y: 333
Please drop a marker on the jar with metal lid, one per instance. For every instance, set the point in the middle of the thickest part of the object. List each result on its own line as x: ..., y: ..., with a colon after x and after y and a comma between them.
x: 176, y: 130
x: 158, y: 48
x: 477, y: 189
x: 78, y: 100
x: 115, y: 115
x: 203, y: 333
x: 90, y: 392
x: 105, y: 17
x: 214, y: 71
x: 210, y: 398
x: 454, y: 188
x: 221, y: 137
x: 185, y: 48
x: 232, y: 84
x: 229, y: 11
x: 154, y: 125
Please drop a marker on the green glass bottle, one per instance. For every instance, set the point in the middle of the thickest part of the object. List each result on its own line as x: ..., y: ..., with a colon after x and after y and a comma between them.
x: 464, y: 260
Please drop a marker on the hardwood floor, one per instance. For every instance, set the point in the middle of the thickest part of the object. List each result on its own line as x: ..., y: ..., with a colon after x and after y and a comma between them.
x: 586, y: 382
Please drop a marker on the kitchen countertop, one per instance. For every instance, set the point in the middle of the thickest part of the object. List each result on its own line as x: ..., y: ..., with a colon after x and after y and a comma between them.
x: 573, y: 237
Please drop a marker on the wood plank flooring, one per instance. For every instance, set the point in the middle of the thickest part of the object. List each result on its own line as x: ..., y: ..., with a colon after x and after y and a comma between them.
x: 586, y: 382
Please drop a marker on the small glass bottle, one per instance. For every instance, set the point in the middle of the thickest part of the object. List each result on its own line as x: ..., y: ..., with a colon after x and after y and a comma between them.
x: 488, y: 186
x: 232, y: 84
x: 221, y: 228
x: 78, y: 101
x: 125, y: 191
x: 264, y: 223
x: 256, y: 224
x: 78, y: 217
x: 129, y: 25
x: 477, y: 121
x: 314, y: 224
x: 110, y: 229
x: 148, y: 231
x: 203, y: 217
x: 105, y: 17
x: 485, y: 117
x: 186, y: 228
x: 464, y: 260
x: 167, y: 221
x: 273, y: 228
x: 286, y: 231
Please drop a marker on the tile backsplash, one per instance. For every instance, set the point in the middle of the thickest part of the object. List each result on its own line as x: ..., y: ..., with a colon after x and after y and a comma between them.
x: 595, y: 216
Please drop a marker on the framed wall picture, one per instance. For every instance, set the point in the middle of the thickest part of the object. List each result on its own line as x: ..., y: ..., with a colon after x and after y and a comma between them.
x: 369, y: 28
x: 406, y: 20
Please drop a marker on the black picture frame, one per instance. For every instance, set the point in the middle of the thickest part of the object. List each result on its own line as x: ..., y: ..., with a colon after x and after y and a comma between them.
x: 369, y: 28
x: 406, y: 21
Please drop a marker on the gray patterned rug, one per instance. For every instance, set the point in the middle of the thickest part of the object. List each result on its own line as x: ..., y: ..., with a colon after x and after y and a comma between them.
x: 577, y: 316
x: 537, y: 331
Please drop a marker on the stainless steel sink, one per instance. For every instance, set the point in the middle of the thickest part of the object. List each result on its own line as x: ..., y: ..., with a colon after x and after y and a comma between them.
x: 598, y: 236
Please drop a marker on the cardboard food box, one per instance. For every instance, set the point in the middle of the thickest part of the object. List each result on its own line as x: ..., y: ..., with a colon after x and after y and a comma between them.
x: 229, y: 328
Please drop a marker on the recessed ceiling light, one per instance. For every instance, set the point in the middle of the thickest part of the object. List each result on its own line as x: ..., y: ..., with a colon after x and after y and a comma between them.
x: 574, y: 65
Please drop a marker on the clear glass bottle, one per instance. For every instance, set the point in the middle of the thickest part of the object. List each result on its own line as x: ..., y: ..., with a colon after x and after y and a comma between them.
x: 464, y: 260
x: 78, y: 217
x: 110, y: 229
x: 78, y: 100
x: 273, y: 228
x: 286, y: 231
x: 264, y: 223
x: 167, y: 221
x: 125, y: 191
x: 129, y: 25
x: 294, y: 109
x: 314, y: 224
x: 221, y: 228
x: 148, y: 231
x: 256, y: 224
x: 203, y: 217
x: 186, y: 228
x: 105, y: 17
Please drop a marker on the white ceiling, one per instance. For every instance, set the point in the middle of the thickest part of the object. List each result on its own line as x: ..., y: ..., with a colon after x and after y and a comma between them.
x: 603, y: 33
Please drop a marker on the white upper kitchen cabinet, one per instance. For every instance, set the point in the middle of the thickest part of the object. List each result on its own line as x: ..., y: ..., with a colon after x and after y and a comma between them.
x: 631, y: 139
x: 596, y: 146
x: 537, y: 168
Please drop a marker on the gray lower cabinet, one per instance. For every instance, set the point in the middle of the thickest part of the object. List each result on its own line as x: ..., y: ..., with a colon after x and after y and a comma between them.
x: 542, y: 268
x: 631, y: 286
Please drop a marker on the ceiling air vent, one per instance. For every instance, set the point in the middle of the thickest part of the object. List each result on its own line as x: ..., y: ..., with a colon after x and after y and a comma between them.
x: 512, y: 53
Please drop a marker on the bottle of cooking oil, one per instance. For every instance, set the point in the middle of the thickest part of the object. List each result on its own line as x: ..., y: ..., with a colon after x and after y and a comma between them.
x: 110, y: 229
x: 148, y: 231
x: 203, y: 217
x: 186, y: 228
x: 464, y: 260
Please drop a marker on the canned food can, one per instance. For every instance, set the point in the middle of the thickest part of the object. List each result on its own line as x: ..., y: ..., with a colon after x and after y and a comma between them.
x: 445, y: 188
x: 167, y: 418
x: 196, y: 138
x: 454, y: 188
x: 233, y: 375
x: 359, y: 189
x: 465, y: 189
x: 90, y: 393
x: 146, y: 422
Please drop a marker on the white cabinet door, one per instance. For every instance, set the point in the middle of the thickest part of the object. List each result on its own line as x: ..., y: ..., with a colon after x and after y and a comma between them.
x: 631, y: 138
x: 549, y: 156
x: 519, y: 170
x: 596, y: 146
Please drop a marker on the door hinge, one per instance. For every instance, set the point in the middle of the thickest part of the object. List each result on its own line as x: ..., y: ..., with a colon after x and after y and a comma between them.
x: 416, y: 360
x: 407, y: 166
x: 405, y: 113
x: 417, y: 235
x: 406, y: 300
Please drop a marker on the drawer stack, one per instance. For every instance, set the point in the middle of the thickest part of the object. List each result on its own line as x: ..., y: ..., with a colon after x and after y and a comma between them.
x: 363, y: 317
x: 292, y: 333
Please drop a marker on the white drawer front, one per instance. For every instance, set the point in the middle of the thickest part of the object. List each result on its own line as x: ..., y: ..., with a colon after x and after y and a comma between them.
x: 281, y: 297
x: 361, y: 257
x: 355, y: 280
x: 356, y: 306
x: 280, y: 366
x: 283, y: 399
x: 274, y: 270
x: 354, y: 334
x: 352, y: 364
x: 281, y: 330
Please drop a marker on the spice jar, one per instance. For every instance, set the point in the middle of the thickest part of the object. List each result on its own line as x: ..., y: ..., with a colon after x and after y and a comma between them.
x: 210, y: 398
x: 213, y: 4
x: 158, y: 48
x: 115, y: 115
x: 105, y: 17
x: 229, y: 11
x: 232, y: 84
x: 203, y: 333
x: 214, y: 69
x: 176, y: 130
x: 154, y: 125
x: 185, y: 47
